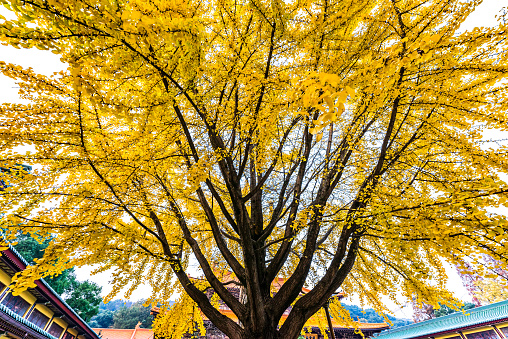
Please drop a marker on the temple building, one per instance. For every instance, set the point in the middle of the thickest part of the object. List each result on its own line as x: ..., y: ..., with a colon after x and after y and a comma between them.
x: 117, y: 333
x: 486, y: 322
x: 37, y: 313
x: 343, y: 332
x: 311, y: 331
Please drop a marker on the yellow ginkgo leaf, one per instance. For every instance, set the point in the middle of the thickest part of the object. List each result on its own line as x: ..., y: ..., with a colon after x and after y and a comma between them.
x: 329, y: 102
x: 134, y: 15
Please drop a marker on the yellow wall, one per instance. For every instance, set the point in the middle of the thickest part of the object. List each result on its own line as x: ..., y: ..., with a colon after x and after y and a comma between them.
x: 500, y: 326
x: 29, y: 297
x: 44, y: 310
x: 72, y: 331
x: 478, y: 329
x: 4, y: 278
x: 448, y: 335
x: 60, y: 322
x: 481, y: 329
x: 474, y: 330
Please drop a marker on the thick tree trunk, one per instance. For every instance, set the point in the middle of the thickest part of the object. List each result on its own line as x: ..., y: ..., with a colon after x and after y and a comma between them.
x: 271, y: 330
x: 269, y: 333
x: 266, y: 335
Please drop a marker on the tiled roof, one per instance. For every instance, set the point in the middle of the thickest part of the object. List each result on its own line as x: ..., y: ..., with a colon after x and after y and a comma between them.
x: 456, y: 321
x: 25, y: 322
x: 46, y: 285
x: 115, y: 333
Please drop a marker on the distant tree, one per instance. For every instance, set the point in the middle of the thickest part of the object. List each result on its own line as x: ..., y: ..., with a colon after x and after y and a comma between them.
x: 114, y: 305
x: 128, y: 317
x: 371, y: 316
x: 103, y: 319
x: 492, y: 290
x: 30, y: 248
x: 84, y: 297
x: 445, y: 310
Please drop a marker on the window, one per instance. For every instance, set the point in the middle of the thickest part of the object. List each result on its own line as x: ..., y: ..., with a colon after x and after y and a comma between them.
x: 310, y: 336
x: 505, y: 331
x: 16, y: 304
x: 55, y: 330
x: 67, y: 335
x: 489, y: 334
x: 38, y: 318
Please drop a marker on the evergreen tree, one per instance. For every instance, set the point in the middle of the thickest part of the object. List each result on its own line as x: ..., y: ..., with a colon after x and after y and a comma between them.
x: 85, y: 297
x: 103, y: 319
x: 445, y: 310
x: 128, y: 317
x: 371, y: 316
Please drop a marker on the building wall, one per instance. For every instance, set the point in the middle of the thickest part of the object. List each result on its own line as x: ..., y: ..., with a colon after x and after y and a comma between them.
x: 213, y: 332
x: 8, y: 300
x: 497, y: 331
x: 315, y: 333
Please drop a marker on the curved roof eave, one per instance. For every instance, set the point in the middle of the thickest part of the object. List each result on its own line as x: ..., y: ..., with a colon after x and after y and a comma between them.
x: 44, y: 287
x: 476, y: 317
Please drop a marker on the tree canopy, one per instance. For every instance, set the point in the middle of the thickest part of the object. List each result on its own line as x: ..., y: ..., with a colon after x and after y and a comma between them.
x: 369, y: 315
x: 492, y: 290
x: 31, y: 249
x: 333, y: 144
x: 445, y: 310
x: 85, y: 298
x: 123, y: 314
x: 82, y: 296
x: 103, y: 319
x: 129, y: 317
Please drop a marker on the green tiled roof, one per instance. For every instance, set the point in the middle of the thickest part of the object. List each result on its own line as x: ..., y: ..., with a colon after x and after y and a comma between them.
x: 25, y: 322
x: 455, y: 321
x: 51, y: 289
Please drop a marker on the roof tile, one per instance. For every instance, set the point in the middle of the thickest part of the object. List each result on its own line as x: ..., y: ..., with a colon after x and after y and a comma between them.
x: 455, y: 321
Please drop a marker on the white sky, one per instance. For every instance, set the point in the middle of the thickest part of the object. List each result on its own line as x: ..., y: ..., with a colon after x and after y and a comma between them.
x: 45, y: 62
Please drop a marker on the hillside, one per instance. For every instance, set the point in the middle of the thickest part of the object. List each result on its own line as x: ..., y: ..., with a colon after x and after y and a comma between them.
x: 370, y: 316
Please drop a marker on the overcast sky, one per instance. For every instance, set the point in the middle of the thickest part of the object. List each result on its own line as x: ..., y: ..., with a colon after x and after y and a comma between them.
x: 47, y: 63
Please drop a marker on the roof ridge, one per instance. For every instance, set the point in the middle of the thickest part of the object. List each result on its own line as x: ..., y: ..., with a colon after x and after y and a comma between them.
x: 13, y: 250
x: 458, y: 319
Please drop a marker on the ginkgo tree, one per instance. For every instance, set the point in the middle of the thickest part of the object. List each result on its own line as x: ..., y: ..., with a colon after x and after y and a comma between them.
x: 333, y: 144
